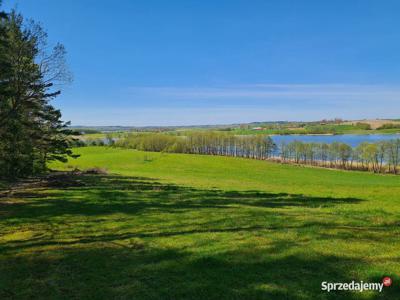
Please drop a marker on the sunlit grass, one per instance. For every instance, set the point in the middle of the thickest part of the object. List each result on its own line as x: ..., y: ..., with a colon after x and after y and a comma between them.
x: 170, y: 226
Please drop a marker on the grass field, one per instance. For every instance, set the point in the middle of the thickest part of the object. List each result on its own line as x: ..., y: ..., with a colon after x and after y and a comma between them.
x: 100, y: 136
x: 175, y: 226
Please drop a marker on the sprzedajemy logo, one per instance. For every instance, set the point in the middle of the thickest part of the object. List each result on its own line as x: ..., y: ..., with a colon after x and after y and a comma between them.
x: 356, y: 286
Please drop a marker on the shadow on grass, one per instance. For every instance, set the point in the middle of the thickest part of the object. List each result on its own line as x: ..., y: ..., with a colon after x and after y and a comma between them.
x: 106, y: 194
x: 129, y: 264
x: 151, y: 273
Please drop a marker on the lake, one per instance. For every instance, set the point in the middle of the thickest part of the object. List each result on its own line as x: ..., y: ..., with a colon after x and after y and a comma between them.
x: 350, y: 139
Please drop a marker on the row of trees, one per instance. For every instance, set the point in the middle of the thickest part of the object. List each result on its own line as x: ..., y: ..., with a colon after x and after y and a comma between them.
x: 207, y: 142
x: 31, y: 129
x: 389, y: 126
x: 378, y: 157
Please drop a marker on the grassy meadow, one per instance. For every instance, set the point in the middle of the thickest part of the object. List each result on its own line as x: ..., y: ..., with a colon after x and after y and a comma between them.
x: 178, y: 226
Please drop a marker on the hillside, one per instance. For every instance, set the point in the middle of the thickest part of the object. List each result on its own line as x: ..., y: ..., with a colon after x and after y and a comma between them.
x: 183, y: 226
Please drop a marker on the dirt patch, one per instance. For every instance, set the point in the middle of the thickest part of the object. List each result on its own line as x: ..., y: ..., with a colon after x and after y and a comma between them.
x: 96, y: 170
x: 63, y: 180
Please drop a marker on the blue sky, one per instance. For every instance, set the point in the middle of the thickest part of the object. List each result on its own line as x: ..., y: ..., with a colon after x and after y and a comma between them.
x: 211, y: 62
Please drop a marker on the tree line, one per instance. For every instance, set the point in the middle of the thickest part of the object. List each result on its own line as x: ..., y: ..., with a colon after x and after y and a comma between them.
x: 31, y: 130
x: 207, y: 142
x: 380, y: 157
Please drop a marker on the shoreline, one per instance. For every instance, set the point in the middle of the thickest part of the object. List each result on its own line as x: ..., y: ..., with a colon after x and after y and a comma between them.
x: 333, y: 134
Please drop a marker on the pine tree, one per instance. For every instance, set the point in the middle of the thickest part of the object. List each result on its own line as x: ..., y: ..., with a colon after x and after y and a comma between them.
x: 31, y: 130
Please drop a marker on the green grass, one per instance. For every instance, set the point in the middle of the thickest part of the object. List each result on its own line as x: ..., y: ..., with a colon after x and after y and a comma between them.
x: 101, y: 135
x: 93, y: 136
x: 174, y: 226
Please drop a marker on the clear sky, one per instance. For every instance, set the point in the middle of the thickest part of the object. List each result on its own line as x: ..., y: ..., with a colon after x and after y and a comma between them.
x: 180, y: 62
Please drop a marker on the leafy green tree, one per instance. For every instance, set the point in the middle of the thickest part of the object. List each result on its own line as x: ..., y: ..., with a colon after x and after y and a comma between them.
x: 393, y: 155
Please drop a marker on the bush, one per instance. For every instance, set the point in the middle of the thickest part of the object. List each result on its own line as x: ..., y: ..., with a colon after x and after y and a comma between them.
x: 364, y: 126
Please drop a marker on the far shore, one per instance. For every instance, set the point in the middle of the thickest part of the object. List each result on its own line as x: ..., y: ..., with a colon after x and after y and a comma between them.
x: 329, y: 134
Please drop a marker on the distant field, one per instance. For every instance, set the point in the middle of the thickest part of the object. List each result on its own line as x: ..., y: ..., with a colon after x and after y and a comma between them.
x: 375, y: 123
x: 346, y: 128
x: 100, y: 135
x: 93, y: 136
x: 175, y: 226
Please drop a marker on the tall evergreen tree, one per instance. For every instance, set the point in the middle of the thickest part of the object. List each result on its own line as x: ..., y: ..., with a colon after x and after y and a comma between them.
x: 31, y: 130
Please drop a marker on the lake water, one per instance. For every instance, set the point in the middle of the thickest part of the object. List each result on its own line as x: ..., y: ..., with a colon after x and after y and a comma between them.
x: 350, y: 139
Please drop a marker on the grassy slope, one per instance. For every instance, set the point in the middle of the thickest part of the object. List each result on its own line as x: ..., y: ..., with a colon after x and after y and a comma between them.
x: 239, y: 174
x: 183, y: 226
